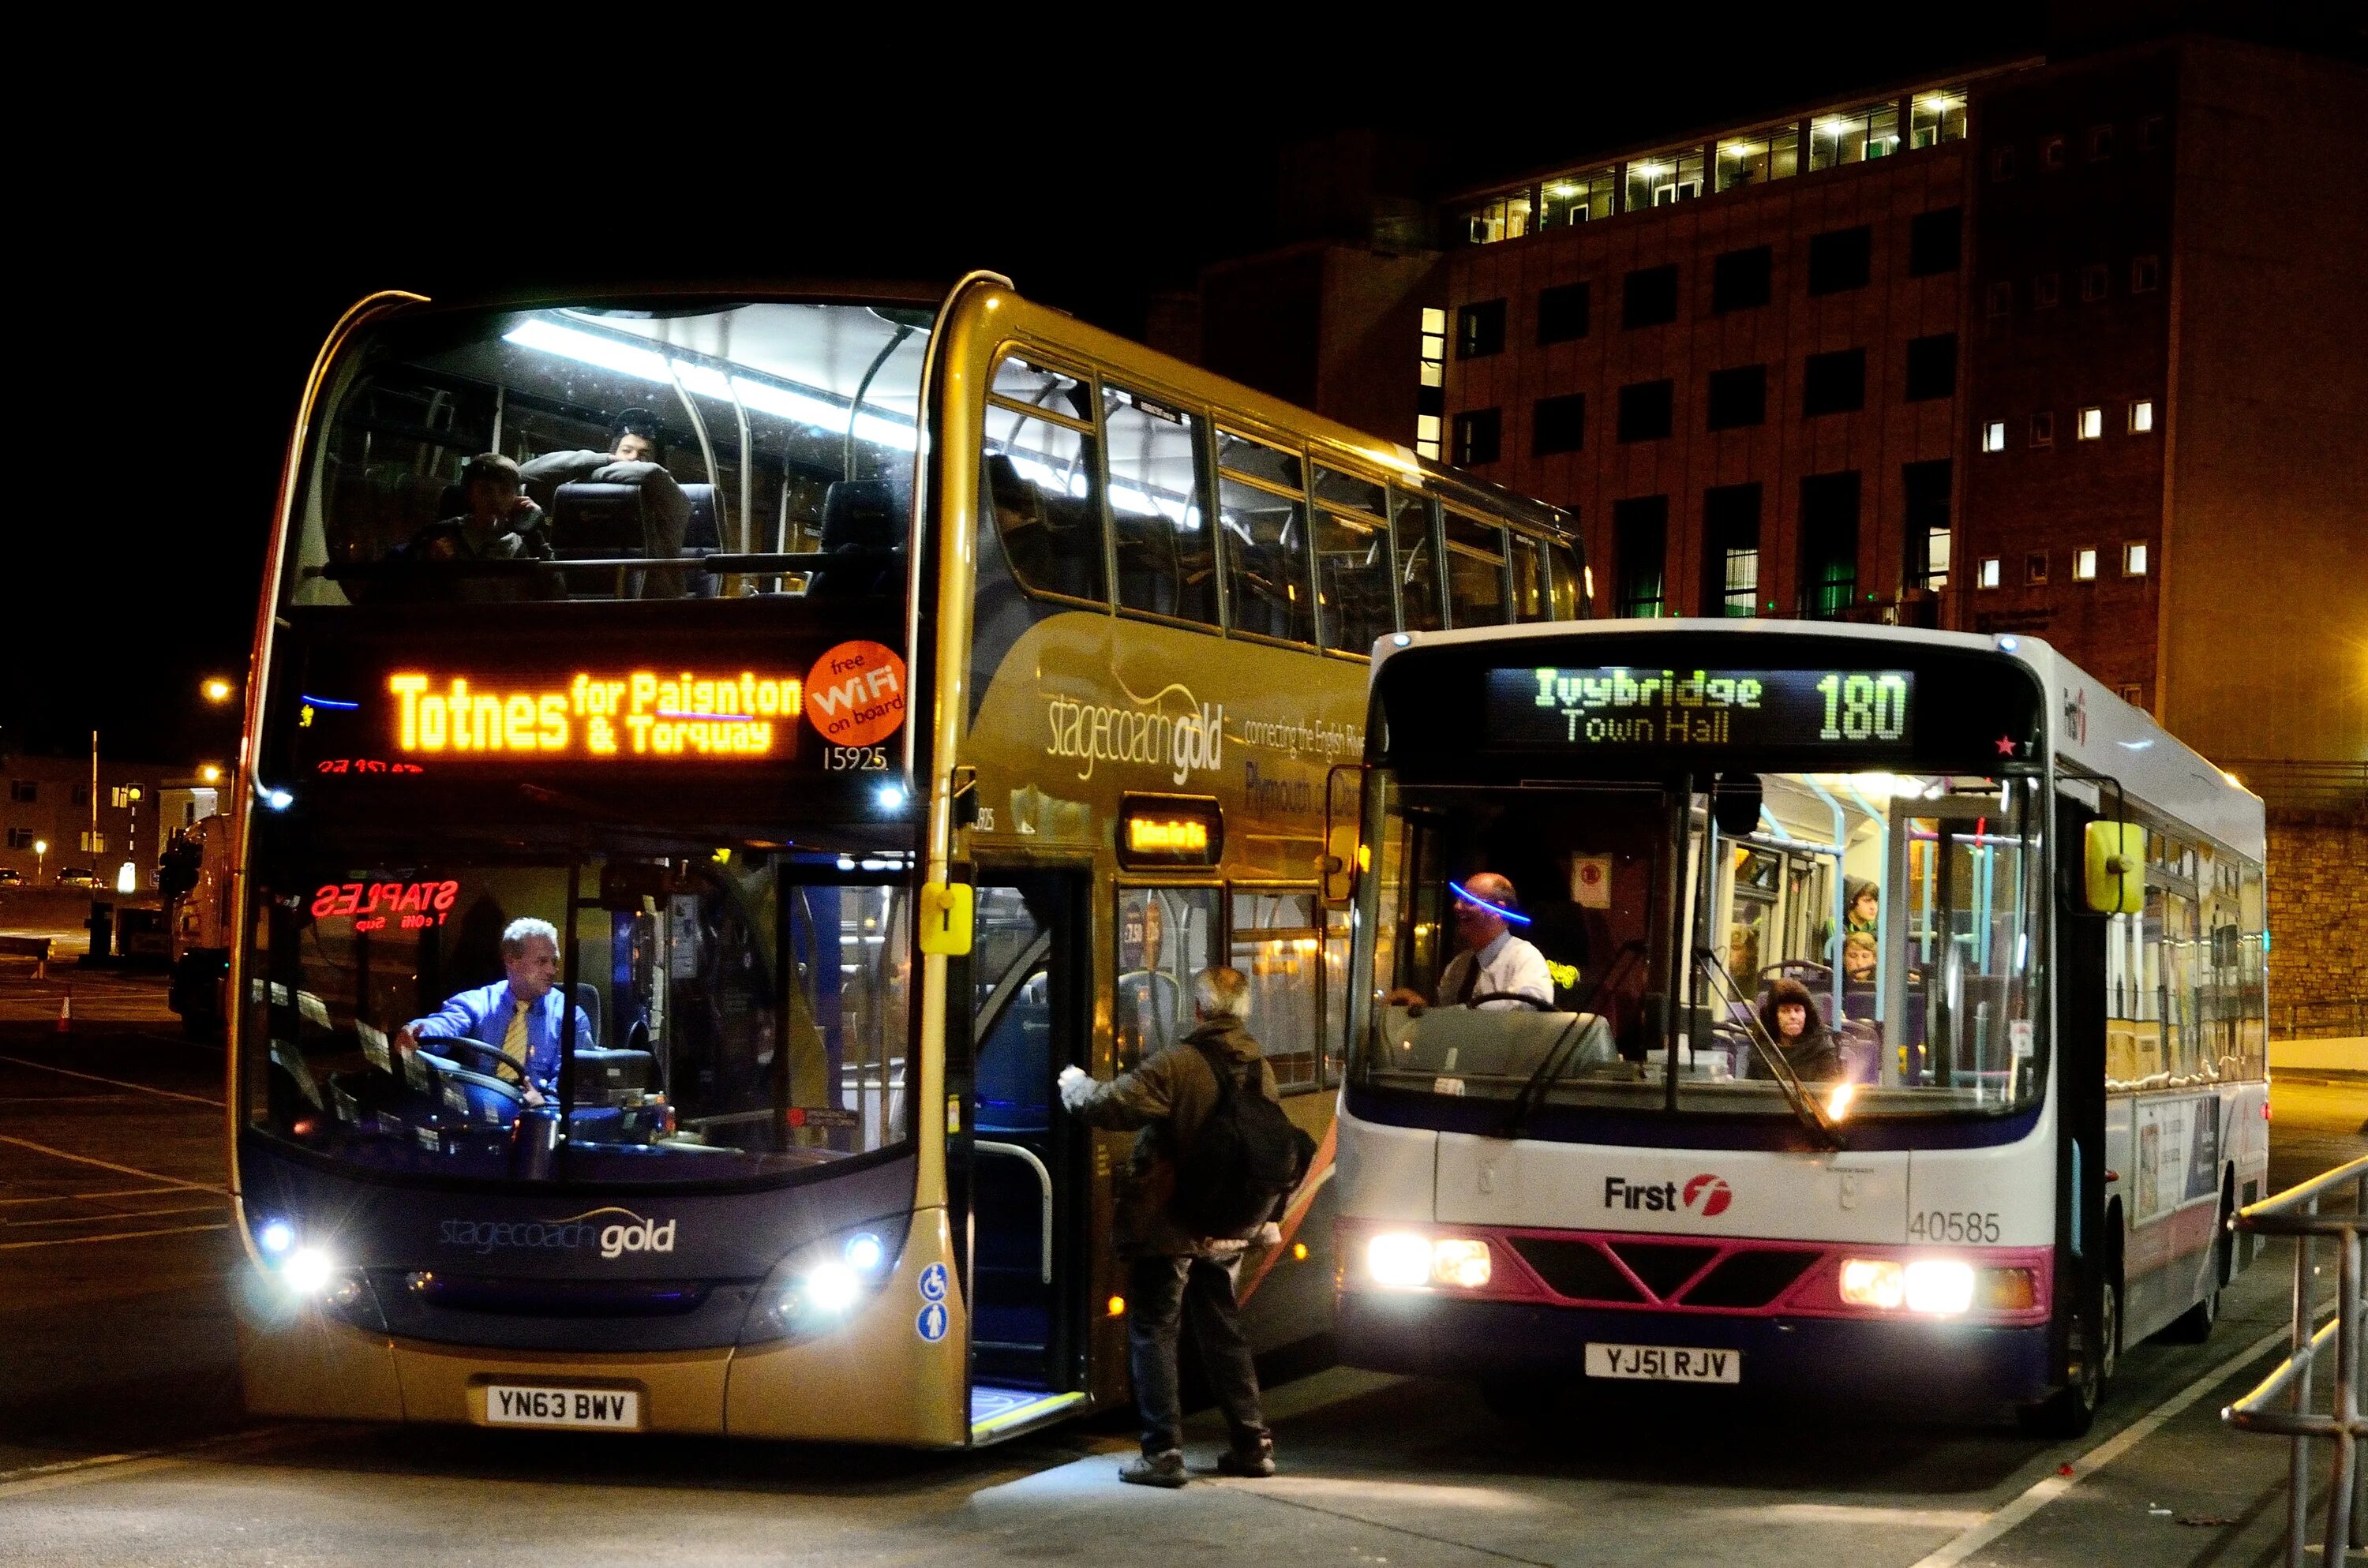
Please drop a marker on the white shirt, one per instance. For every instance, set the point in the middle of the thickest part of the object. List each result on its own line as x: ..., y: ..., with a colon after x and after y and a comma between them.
x: 1509, y: 965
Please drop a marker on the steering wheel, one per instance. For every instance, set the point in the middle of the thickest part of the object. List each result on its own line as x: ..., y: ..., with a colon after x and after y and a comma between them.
x: 1545, y: 1006
x: 476, y: 1056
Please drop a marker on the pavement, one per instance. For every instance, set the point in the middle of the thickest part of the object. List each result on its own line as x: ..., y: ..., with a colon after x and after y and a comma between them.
x: 121, y: 1440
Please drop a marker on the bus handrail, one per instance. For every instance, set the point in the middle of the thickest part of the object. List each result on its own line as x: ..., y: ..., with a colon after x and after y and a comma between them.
x: 2294, y: 1213
x: 1044, y: 1180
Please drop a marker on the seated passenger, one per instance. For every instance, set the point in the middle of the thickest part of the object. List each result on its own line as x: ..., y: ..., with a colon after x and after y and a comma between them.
x: 634, y: 458
x: 501, y: 524
x: 522, y: 1016
x: 1493, y: 962
x: 1790, y: 1018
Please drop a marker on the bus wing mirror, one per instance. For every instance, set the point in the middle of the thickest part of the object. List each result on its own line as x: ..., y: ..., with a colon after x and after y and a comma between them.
x: 946, y: 918
x: 2115, y: 883
x: 1343, y: 859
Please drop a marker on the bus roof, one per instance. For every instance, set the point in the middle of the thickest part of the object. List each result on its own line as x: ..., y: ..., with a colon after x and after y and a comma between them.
x: 2089, y: 724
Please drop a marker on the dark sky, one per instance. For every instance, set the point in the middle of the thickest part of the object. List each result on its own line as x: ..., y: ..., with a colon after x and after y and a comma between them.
x: 197, y: 252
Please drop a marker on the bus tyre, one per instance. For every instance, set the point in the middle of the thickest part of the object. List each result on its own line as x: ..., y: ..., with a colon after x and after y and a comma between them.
x: 2069, y: 1411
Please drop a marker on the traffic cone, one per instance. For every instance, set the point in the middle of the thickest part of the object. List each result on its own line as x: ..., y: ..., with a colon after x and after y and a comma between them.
x: 65, y: 1012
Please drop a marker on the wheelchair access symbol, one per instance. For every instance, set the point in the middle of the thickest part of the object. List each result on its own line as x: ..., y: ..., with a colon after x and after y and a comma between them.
x: 931, y: 1323
x: 933, y: 1287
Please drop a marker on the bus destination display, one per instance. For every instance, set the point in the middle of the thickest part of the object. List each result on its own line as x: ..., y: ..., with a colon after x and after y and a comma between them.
x: 1620, y: 708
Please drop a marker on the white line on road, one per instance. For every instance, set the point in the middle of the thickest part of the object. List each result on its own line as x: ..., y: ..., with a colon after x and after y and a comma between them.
x: 101, y: 1217
x: 118, y: 1236
x: 100, y: 1467
x: 118, y: 1082
x: 2049, y: 1488
x: 111, y: 1165
x: 113, y: 1192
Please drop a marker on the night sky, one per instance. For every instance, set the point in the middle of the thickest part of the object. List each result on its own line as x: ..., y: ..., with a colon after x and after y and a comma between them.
x: 200, y: 249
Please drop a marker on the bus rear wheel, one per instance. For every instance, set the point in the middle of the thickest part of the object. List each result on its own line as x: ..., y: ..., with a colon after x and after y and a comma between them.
x: 2071, y: 1410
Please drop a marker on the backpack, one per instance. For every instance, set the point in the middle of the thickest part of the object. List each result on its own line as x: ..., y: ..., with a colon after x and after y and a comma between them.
x: 1244, y: 1161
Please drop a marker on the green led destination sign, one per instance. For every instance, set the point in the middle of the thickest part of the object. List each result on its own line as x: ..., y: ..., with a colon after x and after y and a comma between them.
x: 1620, y: 708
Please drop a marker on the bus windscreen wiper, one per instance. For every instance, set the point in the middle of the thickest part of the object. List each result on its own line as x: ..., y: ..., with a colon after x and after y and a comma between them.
x: 1550, y: 1065
x: 1796, y: 1095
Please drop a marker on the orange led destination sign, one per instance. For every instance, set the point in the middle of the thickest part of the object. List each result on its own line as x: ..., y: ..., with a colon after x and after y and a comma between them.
x: 1169, y: 830
x: 630, y: 714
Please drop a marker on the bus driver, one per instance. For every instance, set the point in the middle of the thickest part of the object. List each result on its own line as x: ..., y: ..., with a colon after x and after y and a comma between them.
x: 521, y: 1014
x: 1493, y: 962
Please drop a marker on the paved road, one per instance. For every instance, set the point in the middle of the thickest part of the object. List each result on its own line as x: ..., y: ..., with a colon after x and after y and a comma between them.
x: 115, y: 1341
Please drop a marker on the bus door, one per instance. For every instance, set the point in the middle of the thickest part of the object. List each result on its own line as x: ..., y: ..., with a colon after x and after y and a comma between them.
x: 1018, y: 1164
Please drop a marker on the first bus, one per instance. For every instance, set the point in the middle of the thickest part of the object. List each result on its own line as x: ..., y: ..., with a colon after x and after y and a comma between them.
x: 1907, y: 1033
x: 712, y: 762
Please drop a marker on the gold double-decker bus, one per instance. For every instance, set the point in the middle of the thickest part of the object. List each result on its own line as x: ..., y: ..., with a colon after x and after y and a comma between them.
x: 712, y: 761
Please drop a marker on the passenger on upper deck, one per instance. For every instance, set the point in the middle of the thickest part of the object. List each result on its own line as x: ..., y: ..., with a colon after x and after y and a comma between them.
x: 523, y: 1016
x: 1495, y: 962
x: 501, y: 524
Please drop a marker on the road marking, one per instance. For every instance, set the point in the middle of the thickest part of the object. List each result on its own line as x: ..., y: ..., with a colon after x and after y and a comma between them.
x: 118, y: 1236
x: 118, y: 1192
x: 104, y: 1467
x: 2049, y: 1488
x: 101, y: 1217
x: 118, y: 1082
x: 111, y: 1165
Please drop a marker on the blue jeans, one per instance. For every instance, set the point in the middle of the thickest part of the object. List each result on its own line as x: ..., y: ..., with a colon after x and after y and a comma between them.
x: 1161, y: 1291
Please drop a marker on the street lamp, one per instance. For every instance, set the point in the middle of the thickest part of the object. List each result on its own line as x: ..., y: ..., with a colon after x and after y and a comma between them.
x: 41, y: 858
x: 210, y: 773
x: 216, y: 690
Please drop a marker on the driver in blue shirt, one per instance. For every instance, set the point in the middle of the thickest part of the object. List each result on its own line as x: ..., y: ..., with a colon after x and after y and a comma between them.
x: 1495, y: 967
x: 522, y: 1016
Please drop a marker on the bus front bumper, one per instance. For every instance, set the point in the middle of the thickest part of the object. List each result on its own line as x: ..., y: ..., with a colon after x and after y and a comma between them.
x: 1918, y: 1363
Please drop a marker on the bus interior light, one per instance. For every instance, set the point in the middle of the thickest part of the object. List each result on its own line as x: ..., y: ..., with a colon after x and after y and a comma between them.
x: 1396, y: 1258
x: 1943, y: 1286
x: 1873, y: 1282
x: 1461, y: 1263
x: 276, y: 1236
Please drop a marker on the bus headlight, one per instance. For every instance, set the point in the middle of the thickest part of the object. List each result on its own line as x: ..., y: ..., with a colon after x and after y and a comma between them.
x: 276, y: 1236
x: 1395, y: 1258
x: 1873, y: 1282
x: 307, y: 1271
x: 864, y: 1253
x: 1940, y: 1285
x: 1460, y: 1263
x: 830, y: 1288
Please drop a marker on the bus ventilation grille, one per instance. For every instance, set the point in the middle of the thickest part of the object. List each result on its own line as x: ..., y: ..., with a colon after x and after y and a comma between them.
x: 1750, y: 1279
x: 1584, y: 1271
x: 1578, y: 1270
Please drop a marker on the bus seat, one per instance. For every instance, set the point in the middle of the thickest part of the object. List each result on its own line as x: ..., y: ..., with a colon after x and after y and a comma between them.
x: 592, y: 519
x: 700, y: 535
x: 587, y: 996
x: 1043, y: 548
x: 860, y: 514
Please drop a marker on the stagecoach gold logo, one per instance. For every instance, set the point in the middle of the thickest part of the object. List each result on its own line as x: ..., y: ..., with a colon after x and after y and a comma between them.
x: 1091, y: 734
x: 626, y: 1233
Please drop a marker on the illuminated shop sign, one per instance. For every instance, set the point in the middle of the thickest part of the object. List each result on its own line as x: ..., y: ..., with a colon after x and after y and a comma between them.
x: 378, y: 906
x: 1618, y: 707
x: 1169, y: 830
x: 627, y: 714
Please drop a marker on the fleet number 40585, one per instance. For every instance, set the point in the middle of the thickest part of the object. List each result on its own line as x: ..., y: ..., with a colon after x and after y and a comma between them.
x: 1953, y: 1225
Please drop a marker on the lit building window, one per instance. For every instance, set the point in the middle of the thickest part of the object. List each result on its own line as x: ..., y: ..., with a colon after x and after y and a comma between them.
x: 1498, y: 218
x: 2142, y: 417
x: 1580, y: 198
x: 1937, y: 116
x: 95, y: 843
x: 2084, y: 565
x: 2134, y: 560
x: 1852, y: 136
x: 1426, y: 435
x: 1430, y: 399
x: 1754, y: 157
x: 2042, y: 429
x: 2091, y: 424
x: 1994, y: 436
x: 1991, y: 570
x: 1657, y: 180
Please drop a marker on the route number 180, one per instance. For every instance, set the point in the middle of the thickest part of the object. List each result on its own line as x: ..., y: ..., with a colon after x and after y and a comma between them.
x: 1861, y: 708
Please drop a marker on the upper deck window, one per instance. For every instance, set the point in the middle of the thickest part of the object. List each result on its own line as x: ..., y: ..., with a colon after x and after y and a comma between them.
x: 474, y: 457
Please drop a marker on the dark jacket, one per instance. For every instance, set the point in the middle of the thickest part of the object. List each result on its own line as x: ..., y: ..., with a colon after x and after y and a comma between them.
x: 1167, y: 1098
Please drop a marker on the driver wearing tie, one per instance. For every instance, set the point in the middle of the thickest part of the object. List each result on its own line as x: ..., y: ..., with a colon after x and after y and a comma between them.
x: 1495, y: 962
x: 524, y: 1015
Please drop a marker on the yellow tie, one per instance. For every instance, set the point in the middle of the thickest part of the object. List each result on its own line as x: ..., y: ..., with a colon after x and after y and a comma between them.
x: 514, y: 1042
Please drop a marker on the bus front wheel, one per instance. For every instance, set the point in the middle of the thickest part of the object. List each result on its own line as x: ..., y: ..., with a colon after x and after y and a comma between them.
x: 2068, y: 1412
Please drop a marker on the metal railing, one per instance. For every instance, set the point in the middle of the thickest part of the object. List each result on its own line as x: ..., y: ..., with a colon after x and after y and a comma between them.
x: 2294, y: 1213
x: 2341, y: 1018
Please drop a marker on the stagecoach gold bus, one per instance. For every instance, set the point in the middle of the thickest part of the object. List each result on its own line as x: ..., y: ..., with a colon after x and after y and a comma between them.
x: 883, y: 703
